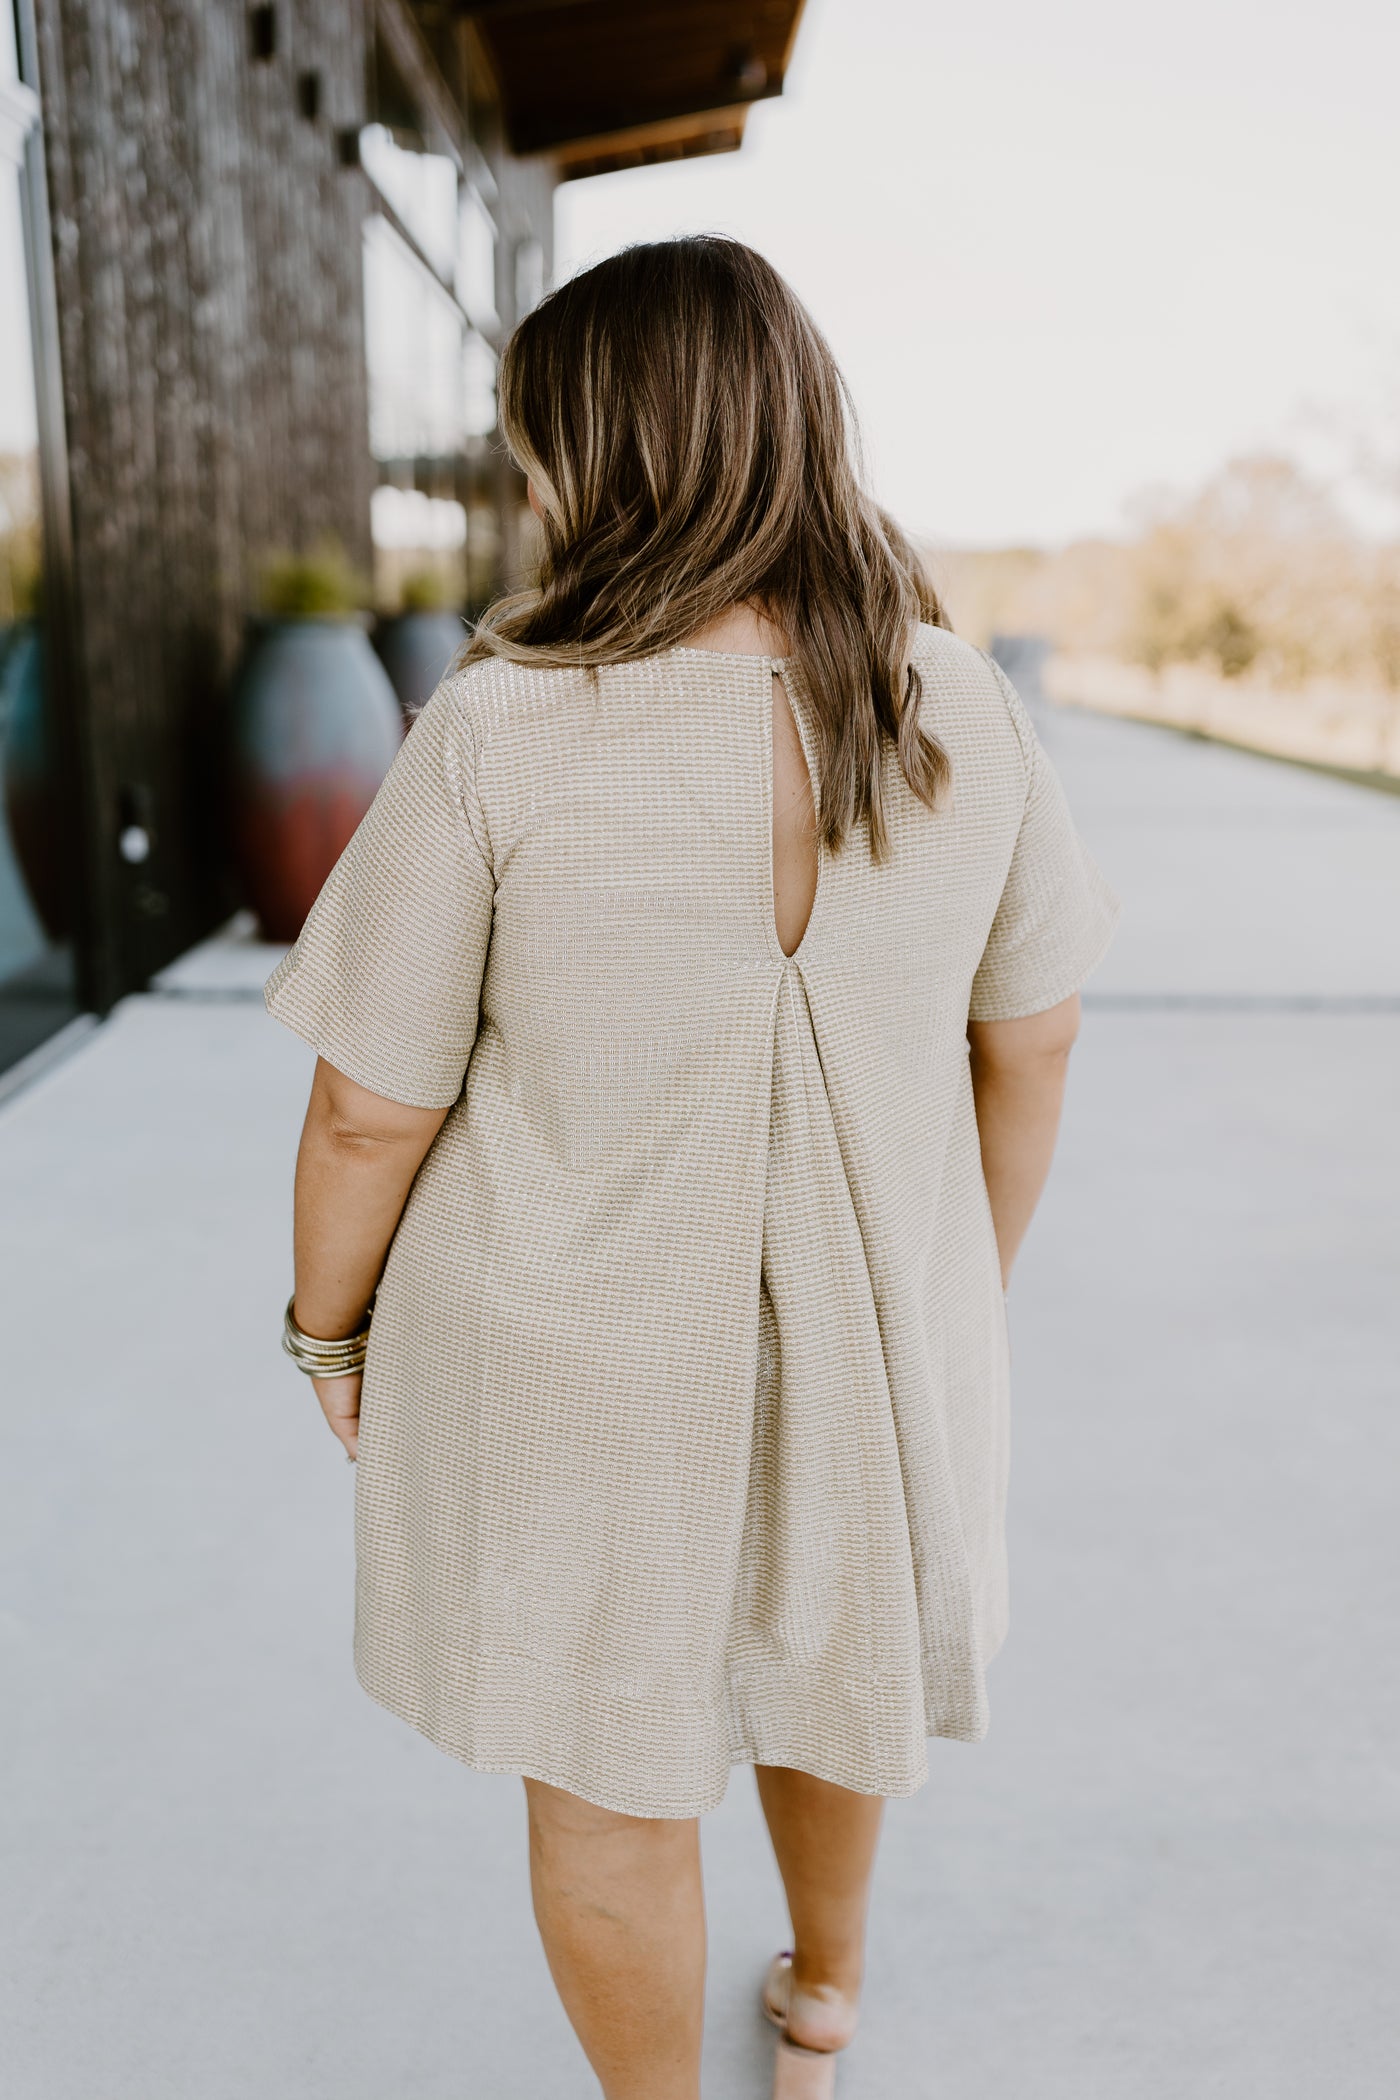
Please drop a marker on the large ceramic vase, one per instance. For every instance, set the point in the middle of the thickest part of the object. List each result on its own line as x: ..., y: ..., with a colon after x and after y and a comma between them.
x: 314, y: 727
x: 416, y: 649
x: 29, y: 760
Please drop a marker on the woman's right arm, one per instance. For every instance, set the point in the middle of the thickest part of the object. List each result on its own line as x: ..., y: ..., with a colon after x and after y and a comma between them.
x: 358, y: 1155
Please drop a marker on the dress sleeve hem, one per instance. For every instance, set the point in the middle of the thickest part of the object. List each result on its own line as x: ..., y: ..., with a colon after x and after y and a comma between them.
x: 287, y: 1002
x: 1087, y: 957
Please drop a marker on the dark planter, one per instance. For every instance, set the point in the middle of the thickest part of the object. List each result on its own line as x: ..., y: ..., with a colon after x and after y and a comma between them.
x: 1022, y: 657
x: 29, y: 757
x: 313, y: 729
x: 416, y: 649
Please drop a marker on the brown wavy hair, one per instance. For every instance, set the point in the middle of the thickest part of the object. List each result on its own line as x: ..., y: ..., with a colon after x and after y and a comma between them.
x: 693, y: 447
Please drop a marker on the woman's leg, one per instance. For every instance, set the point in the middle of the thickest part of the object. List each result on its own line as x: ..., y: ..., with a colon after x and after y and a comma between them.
x: 621, y: 1912
x: 824, y: 1837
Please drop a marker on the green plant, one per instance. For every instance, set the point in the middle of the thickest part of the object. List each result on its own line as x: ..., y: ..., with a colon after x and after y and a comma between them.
x: 20, y: 552
x: 323, y: 584
x: 427, y: 590
x: 21, y: 574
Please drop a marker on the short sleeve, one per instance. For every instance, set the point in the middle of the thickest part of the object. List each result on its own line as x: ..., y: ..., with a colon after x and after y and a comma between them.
x: 384, y: 980
x: 1057, y: 915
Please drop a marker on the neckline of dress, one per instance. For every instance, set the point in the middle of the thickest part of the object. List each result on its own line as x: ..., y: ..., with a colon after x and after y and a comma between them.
x: 728, y: 656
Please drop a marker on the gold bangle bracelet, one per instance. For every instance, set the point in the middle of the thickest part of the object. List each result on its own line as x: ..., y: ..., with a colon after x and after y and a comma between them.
x: 341, y: 1357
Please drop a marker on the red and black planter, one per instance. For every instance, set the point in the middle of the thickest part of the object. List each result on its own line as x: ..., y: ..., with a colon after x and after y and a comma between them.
x: 313, y: 728
x: 34, y: 814
x: 417, y: 649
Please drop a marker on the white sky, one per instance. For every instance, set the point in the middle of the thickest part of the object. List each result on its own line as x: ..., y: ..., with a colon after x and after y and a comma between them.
x: 1065, y: 253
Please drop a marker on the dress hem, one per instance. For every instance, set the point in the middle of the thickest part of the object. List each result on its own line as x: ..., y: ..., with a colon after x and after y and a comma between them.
x: 482, y: 1756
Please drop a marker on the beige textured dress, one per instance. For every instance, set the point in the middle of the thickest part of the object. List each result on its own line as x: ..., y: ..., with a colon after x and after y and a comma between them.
x: 684, y: 1425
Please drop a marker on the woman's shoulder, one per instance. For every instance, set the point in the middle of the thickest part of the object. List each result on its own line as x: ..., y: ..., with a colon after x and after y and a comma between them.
x: 966, y: 697
x: 470, y: 681
x: 485, y: 691
x: 939, y: 652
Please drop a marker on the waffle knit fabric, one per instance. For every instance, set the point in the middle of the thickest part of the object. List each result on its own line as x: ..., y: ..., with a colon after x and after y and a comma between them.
x: 684, y: 1430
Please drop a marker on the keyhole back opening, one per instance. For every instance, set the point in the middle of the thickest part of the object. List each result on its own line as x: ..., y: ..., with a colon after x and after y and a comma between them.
x: 796, y: 859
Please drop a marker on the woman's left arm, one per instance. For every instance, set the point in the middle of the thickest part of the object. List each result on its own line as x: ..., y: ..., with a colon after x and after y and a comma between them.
x: 1018, y: 1088
x: 355, y: 1166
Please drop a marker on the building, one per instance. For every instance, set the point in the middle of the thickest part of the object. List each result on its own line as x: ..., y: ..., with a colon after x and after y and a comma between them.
x: 256, y: 265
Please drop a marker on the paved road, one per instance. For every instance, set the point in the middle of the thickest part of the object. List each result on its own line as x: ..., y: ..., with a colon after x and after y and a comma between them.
x: 1171, y: 1870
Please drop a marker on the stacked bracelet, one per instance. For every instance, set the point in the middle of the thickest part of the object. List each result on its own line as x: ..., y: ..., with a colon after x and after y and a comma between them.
x: 338, y: 1359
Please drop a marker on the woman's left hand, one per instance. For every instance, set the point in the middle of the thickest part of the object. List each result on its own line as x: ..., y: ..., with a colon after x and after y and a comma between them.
x: 340, y: 1404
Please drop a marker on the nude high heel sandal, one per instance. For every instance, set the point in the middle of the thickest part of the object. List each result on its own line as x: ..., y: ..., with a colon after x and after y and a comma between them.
x: 798, y: 2073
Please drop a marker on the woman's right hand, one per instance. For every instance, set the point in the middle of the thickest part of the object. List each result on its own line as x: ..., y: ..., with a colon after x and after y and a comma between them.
x: 358, y: 1156
x: 340, y: 1404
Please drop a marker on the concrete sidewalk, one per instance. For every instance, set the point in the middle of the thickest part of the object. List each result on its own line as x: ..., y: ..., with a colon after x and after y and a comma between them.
x: 1171, y: 1869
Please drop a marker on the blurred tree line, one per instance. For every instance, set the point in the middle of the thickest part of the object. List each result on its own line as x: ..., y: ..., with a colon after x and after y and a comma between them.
x: 1260, y: 571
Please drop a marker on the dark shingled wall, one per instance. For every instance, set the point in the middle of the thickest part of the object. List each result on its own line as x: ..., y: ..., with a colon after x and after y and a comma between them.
x: 206, y: 243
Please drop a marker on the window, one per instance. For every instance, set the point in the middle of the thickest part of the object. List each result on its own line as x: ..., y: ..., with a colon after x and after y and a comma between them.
x: 422, y: 189
x: 437, y: 276
x: 36, y: 813
x: 415, y: 339
x: 476, y: 262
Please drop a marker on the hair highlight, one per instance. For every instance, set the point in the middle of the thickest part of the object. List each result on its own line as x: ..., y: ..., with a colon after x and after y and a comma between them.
x: 694, y: 448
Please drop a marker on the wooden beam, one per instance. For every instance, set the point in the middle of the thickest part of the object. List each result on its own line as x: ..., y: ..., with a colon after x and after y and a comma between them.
x: 632, y: 138
x: 572, y: 72
x: 595, y: 130
x: 692, y: 146
x: 479, y: 8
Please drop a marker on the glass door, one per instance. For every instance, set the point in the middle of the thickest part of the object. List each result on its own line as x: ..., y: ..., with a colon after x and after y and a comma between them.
x: 37, y: 827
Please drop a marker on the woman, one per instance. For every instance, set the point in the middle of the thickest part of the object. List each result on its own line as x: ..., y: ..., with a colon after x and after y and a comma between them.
x: 682, y: 1140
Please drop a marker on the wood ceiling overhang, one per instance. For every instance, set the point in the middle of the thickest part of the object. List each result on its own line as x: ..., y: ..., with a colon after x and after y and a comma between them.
x: 605, y: 84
